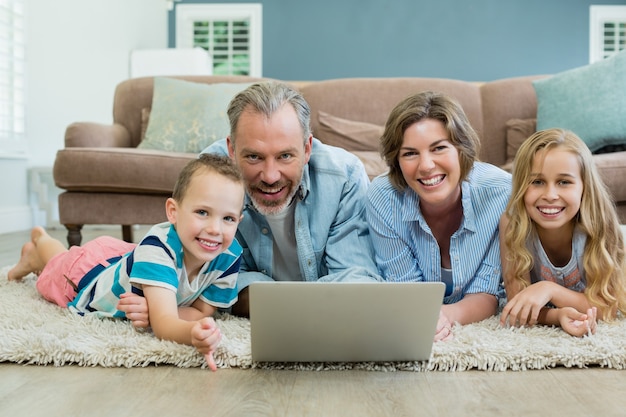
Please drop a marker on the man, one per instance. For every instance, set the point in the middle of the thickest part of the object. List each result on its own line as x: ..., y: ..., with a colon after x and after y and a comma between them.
x: 304, y: 215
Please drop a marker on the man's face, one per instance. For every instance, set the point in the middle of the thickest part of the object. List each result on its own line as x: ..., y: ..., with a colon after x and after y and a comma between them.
x: 271, y: 154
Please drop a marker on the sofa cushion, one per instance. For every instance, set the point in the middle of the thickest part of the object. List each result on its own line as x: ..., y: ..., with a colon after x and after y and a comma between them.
x: 517, y: 131
x: 370, y: 100
x: 503, y: 100
x: 187, y: 116
x: 612, y: 168
x: 348, y: 134
x: 373, y: 162
x: 590, y: 101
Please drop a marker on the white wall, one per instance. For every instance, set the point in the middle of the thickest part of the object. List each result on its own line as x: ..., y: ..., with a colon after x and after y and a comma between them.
x: 76, y: 53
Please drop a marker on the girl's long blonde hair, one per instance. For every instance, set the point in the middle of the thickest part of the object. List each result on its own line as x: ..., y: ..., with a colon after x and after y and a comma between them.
x: 603, y: 260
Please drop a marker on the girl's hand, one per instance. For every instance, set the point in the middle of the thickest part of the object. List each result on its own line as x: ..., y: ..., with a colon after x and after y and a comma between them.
x: 206, y: 336
x: 524, y: 308
x: 136, y: 309
x: 576, y: 323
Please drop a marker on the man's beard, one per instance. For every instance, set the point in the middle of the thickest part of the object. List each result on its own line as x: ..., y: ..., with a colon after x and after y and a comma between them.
x: 269, y: 208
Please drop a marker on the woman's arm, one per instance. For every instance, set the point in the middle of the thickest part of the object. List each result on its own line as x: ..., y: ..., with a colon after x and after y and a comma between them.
x: 472, y: 308
x: 393, y: 255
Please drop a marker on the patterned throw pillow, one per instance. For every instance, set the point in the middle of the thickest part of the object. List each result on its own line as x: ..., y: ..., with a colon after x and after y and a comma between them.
x: 188, y: 116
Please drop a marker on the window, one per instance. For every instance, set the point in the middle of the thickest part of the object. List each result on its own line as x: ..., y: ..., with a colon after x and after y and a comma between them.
x: 607, y: 31
x: 231, y: 33
x: 12, y: 76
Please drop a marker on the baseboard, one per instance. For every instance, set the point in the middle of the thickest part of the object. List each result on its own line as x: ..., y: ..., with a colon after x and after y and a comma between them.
x: 15, y: 219
x: 44, y: 197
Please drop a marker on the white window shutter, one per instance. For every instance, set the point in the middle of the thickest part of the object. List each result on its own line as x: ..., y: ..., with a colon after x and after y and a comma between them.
x: 230, y: 33
x: 607, y: 31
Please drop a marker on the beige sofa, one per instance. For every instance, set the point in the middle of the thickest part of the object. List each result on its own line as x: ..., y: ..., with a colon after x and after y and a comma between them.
x: 107, y: 180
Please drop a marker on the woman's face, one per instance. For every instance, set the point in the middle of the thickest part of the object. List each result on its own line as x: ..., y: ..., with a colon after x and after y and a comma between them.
x: 430, y: 163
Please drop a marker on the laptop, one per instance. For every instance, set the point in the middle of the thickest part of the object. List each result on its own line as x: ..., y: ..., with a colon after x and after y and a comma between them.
x: 343, y: 321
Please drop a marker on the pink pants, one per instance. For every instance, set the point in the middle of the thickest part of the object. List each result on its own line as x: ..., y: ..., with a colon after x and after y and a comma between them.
x: 71, y: 266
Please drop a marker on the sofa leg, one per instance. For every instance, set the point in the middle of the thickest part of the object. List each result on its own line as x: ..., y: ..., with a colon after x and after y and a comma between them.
x: 74, y: 237
x: 127, y: 233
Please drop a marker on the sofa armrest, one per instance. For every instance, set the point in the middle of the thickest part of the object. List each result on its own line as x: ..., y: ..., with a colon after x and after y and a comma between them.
x: 96, y: 135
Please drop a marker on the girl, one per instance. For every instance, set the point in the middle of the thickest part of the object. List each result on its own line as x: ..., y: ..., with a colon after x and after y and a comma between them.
x: 561, y: 245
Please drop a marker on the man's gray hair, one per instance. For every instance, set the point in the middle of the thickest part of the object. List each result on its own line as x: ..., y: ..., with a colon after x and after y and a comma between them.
x: 266, y: 98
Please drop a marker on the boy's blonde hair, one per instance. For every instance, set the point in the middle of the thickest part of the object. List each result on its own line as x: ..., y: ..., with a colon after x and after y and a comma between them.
x: 603, y: 259
x: 216, y: 163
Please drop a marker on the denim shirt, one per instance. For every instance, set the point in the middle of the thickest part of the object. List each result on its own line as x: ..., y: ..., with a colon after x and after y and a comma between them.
x: 332, y: 236
x: 406, y: 249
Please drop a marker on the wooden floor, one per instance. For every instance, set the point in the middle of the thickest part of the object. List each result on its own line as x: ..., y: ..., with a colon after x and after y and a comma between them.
x: 169, y: 391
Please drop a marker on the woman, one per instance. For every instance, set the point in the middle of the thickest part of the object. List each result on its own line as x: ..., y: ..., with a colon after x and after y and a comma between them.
x: 434, y: 216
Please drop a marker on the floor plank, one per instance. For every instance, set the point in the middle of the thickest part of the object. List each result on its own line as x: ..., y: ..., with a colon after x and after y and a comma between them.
x: 169, y: 391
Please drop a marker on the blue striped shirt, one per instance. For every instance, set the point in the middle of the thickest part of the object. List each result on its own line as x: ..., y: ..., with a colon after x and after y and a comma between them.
x: 406, y: 249
x: 158, y: 261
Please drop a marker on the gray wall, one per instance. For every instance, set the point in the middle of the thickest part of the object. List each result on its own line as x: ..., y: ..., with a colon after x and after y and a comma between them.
x: 473, y: 40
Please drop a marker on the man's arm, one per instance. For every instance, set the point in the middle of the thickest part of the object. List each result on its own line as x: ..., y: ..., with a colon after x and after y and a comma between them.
x: 349, y: 249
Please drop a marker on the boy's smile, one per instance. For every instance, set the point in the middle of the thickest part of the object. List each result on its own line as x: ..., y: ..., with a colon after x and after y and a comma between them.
x: 206, y: 219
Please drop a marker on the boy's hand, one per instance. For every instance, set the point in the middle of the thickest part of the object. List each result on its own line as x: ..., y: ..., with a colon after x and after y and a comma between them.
x: 206, y: 336
x: 576, y: 323
x: 136, y: 309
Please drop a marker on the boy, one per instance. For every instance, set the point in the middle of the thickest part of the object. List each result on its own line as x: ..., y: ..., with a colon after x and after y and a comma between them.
x: 185, y: 268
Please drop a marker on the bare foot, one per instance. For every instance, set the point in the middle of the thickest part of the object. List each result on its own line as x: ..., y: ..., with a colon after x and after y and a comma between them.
x: 36, y: 233
x: 29, y: 262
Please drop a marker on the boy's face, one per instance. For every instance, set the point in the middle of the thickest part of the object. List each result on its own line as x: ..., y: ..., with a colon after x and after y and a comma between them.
x: 207, y: 217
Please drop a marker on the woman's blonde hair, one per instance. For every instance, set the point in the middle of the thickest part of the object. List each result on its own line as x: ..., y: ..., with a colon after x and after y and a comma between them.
x: 603, y: 259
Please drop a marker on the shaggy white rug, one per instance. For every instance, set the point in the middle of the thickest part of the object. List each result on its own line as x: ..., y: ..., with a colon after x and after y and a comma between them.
x: 33, y: 331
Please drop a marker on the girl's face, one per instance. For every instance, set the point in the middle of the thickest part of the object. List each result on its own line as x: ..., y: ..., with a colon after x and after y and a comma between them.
x: 554, y: 195
x: 430, y: 163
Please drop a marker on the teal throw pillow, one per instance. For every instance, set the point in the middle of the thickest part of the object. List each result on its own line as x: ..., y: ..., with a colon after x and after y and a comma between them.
x: 188, y: 116
x: 590, y: 101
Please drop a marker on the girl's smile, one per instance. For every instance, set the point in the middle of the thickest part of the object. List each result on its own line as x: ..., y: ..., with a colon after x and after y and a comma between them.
x: 554, y: 195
